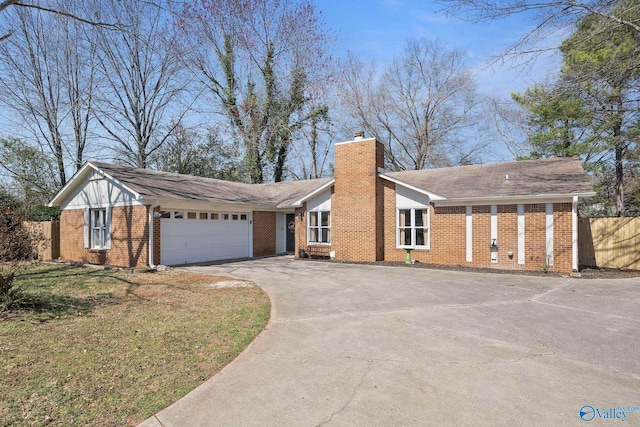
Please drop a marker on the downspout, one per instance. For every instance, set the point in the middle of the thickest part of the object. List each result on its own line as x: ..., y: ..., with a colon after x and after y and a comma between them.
x: 151, y: 221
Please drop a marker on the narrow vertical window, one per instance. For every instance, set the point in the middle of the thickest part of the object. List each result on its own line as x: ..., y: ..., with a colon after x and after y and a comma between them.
x: 420, y: 220
x: 98, y: 228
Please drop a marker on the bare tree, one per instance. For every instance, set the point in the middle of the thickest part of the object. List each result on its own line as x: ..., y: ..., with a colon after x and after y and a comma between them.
x: 312, y: 147
x: 550, y: 16
x: 422, y: 106
x: 79, y: 56
x: 141, y: 79
x: 258, y: 58
x: 509, y: 123
x: 48, y: 79
x: 63, y: 9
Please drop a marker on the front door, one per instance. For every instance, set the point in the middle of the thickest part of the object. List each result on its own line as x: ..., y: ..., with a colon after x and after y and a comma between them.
x: 291, y: 233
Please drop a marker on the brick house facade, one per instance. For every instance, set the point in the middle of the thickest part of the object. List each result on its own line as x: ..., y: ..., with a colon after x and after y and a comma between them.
x: 129, y: 238
x: 527, y: 235
x: 518, y: 216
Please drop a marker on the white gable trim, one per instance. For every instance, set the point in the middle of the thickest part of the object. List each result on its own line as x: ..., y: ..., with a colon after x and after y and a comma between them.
x: 77, y: 180
x: 432, y: 196
x: 318, y: 190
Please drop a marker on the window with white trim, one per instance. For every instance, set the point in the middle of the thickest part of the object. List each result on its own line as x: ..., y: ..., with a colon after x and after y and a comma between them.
x: 98, y: 228
x: 413, y: 228
x: 319, y: 227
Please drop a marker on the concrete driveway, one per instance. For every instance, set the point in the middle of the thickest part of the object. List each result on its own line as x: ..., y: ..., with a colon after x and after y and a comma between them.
x: 378, y: 346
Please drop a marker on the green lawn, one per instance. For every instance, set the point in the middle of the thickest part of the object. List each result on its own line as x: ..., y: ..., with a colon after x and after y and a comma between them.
x: 98, y: 347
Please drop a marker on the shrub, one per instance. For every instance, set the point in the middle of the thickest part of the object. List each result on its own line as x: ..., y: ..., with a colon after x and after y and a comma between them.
x: 15, y: 240
x: 10, y: 295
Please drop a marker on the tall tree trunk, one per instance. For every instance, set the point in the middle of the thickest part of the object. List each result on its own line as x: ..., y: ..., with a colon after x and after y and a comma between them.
x: 619, y: 180
x: 253, y: 161
x: 281, y: 157
x: 313, y: 144
x: 619, y: 154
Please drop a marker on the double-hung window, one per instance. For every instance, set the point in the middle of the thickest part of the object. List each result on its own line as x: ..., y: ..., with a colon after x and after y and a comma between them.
x: 98, y: 228
x: 319, y: 227
x: 413, y: 227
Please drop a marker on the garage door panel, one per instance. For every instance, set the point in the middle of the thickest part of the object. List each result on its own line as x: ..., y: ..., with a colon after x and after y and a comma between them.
x: 187, y: 241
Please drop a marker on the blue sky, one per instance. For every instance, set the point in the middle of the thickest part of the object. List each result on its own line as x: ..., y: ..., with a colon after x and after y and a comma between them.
x: 378, y: 29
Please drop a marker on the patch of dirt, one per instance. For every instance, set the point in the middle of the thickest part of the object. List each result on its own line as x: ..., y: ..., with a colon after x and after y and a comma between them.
x: 231, y: 284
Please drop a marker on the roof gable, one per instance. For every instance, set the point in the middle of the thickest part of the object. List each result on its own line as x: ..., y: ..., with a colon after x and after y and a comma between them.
x: 80, y: 177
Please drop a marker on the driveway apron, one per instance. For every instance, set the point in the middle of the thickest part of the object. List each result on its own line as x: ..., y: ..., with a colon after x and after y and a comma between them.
x: 377, y: 345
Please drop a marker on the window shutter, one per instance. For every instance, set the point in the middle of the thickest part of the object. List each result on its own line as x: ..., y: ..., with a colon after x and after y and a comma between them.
x: 87, y: 227
x: 107, y: 223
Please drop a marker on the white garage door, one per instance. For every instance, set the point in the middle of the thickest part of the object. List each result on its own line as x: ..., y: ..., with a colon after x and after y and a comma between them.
x: 187, y: 237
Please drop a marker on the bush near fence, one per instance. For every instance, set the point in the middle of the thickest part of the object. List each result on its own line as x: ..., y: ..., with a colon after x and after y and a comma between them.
x: 609, y: 243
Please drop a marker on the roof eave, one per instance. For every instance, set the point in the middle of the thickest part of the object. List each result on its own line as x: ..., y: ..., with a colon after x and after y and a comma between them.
x: 169, y: 203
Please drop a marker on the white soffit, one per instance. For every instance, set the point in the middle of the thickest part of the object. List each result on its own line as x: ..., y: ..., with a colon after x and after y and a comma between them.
x: 432, y: 196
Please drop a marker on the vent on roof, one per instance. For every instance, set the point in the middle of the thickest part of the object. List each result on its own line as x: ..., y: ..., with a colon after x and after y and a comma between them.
x: 359, y: 134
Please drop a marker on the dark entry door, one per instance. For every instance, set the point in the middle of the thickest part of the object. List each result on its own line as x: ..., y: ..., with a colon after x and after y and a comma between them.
x: 291, y: 233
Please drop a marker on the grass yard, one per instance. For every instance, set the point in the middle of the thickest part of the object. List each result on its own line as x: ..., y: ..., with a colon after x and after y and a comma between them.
x: 98, y: 347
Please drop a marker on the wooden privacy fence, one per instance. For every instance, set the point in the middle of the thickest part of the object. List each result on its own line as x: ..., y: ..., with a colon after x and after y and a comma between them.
x: 46, y: 238
x: 609, y: 242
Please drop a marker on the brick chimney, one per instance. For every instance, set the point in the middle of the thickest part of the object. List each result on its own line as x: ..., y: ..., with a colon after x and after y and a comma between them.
x: 357, y: 207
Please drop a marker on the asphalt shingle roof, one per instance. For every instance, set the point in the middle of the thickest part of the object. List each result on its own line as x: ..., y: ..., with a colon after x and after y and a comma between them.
x: 529, y: 177
x: 557, y: 176
x: 166, y: 185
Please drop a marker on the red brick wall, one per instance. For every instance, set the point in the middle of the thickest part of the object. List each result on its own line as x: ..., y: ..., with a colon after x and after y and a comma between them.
x: 507, y: 237
x: 535, y: 236
x: 481, y: 222
x: 562, y: 255
x: 264, y: 233
x: 129, y: 238
x: 448, y: 236
x: 301, y: 228
x: 356, y: 212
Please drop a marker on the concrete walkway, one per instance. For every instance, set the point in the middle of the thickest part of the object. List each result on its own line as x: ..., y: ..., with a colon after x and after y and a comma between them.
x: 379, y: 346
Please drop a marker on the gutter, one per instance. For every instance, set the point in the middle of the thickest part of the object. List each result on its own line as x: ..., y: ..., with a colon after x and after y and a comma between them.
x: 522, y: 197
